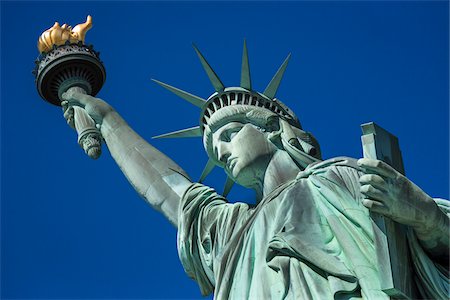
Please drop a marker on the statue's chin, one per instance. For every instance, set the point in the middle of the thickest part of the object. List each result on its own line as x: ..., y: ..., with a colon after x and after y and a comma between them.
x: 244, y: 176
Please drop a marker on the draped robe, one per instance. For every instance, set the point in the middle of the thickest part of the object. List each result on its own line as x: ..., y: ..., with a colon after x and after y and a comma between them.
x: 311, y: 238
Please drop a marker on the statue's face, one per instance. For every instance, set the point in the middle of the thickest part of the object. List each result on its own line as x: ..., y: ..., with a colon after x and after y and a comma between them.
x: 244, y: 152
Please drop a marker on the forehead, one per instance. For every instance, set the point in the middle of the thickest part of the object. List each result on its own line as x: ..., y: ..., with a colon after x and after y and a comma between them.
x: 226, y: 127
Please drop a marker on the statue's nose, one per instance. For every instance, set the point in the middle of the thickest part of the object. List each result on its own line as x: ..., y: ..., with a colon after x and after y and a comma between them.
x: 223, y: 152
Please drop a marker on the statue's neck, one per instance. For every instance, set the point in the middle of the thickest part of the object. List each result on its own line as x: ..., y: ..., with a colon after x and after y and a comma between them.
x: 281, y: 169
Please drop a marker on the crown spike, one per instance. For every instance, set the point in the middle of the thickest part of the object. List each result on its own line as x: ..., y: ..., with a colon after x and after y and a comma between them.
x: 183, y: 133
x: 228, y: 185
x: 208, y: 168
x: 195, y: 100
x: 272, y: 87
x: 215, y: 80
x: 246, y: 82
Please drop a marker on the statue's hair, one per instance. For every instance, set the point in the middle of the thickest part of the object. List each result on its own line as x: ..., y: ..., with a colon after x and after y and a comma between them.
x: 259, y: 117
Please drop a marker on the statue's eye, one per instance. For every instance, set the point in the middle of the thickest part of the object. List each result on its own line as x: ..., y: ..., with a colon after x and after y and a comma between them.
x: 231, y: 133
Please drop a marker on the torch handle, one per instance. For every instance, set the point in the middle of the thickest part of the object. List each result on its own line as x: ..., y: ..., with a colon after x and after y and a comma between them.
x: 89, y: 137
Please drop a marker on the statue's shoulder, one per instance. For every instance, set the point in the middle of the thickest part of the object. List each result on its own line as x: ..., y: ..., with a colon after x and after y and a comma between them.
x: 338, y: 171
x: 341, y: 162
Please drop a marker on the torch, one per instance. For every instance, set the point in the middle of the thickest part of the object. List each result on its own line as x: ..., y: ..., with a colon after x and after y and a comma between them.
x: 66, y: 63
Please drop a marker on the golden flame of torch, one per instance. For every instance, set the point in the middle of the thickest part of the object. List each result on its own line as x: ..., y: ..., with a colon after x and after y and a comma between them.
x: 58, y: 35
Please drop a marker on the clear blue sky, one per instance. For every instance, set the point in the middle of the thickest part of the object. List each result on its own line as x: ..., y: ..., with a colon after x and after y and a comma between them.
x: 74, y: 228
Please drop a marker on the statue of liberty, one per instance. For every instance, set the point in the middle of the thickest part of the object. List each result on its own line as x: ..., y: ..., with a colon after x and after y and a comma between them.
x: 309, y: 235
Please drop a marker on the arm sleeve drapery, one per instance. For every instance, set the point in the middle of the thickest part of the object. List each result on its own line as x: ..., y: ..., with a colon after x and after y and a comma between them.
x: 206, y: 223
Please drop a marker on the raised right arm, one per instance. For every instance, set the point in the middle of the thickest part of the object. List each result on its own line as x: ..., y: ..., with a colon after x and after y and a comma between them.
x: 159, y: 180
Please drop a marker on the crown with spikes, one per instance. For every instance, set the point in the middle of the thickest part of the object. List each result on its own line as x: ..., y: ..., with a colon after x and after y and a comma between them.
x: 223, y: 97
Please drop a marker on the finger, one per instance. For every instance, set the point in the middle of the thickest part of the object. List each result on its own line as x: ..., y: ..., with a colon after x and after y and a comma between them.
x: 71, y: 122
x: 377, y: 166
x: 69, y: 116
x: 371, y: 192
x: 373, y: 180
x: 68, y: 113
x: 375, y: 206
x: 77, y: 98
x: 64, y: 105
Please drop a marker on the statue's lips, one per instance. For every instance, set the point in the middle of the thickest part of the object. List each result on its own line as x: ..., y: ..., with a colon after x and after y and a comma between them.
x: 231, y: 162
